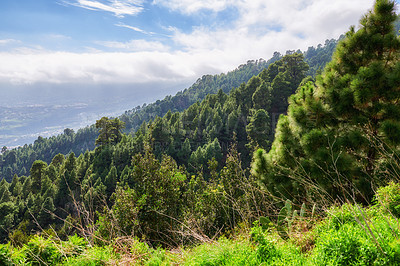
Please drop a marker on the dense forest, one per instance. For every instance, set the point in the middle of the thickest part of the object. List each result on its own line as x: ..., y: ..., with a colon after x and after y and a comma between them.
x: 211, y: 175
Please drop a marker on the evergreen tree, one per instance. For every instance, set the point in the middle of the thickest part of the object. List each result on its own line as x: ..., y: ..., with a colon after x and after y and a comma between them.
x: 46, y: 214
x: 111, y: 181
x: 110, y: 131
x: 26, y: 187
x: 37, y: 172
x: 4, y: 185
x: 67, y: 184
x: 327, y: 139
x: 258, y: 130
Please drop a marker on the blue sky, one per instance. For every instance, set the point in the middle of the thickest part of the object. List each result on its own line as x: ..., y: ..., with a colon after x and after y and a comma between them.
x: 85, y: 25
x: 170, y: 42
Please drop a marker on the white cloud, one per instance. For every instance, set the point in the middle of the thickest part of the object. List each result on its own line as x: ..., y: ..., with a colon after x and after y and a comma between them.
x: 135, y: 45
x: 133, y: 28
x: 98, y: 68
x: 193, y: 6
x: 58, y: 37
x: 8, y: 41
x: 120, y: 8
x: 265, y: 26
x: 309, y: 18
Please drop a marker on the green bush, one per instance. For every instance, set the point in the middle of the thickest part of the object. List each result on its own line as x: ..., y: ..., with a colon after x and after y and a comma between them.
x: 74, y: 246
x: 94, y: 256
x: 266, y: 250
x: 354, y: 236
x: 159, y: 257
x: 223, y: 252
x: 41, y: 251
x: 5, y: 255
x: 345, y: 246
x: 338, y: 216
x: 388, y: 198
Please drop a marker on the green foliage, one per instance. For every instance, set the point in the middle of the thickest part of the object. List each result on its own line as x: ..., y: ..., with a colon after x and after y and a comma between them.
x: 20, y: 236
x: 266, y: 249
x: 286, y: 219
x: 265, y: 223
x: 46, y: 149
x: 159, y: 257
x: 5, y: 255
x: 155, y: 185
x: 149, y: 207
x: 41, y: 251
x: 110, y: 131
x: 261, y: 250
x: 318, y: 57
x: 37, y: 170
x: 16, y: 161
x: 205, y: 85
x: 122, y: 219
x: 388, y: 198
x: 258, y: 128
x: 348, y: 235
x: 75, y: 246
x: 95, y: 256
x: 224, y: 252
x: 352, y: 235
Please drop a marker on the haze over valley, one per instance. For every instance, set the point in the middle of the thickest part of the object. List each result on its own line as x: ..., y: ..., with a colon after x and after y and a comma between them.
x: 27, y: 113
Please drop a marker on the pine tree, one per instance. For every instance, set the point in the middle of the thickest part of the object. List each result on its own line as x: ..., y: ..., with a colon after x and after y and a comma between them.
x: 4, y: 185
x: 258, y: 130
x: 46, y: 214
x: 110, y: 131
x: 37, y: 172
x: 327, y: 139
x: 67, y: 183
x: 27, y: 187
x: 111, y: 181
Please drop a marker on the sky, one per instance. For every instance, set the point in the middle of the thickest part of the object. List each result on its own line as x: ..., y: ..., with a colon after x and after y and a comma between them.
x: 169, y: 42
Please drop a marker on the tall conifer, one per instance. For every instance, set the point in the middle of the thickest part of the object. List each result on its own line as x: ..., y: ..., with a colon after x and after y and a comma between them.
x: 327, y: 140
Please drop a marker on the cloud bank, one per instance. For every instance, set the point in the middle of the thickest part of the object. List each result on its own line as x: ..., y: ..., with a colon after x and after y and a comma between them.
x: 261, y: 27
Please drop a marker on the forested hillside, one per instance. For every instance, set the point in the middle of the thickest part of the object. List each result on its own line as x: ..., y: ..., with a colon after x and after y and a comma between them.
x: 18, y: 161
x: 205, y: 130
x: 208, y: 84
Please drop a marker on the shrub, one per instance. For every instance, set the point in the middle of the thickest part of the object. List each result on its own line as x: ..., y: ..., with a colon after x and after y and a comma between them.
x: 94, y: 256
x: 388, y: 198
x: 354, y: 236
x: 345, y: 246
x: 5, y: 255
x: 74, y: 246
x: 223, y: 252
x: 338, y: 216
x: 41, y: 251
x: 266, y: 250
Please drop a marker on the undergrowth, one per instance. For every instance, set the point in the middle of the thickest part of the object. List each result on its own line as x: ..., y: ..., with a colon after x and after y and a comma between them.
x: 348, y: 235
